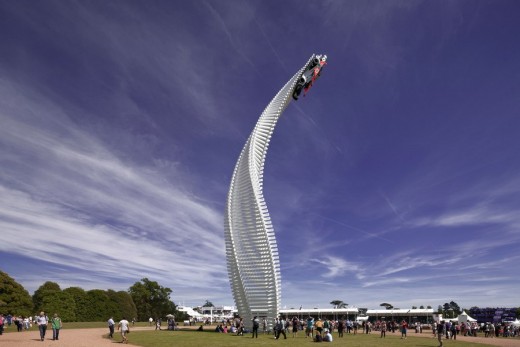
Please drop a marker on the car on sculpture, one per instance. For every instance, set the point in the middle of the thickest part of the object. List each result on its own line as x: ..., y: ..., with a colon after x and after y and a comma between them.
x: 310, y: 75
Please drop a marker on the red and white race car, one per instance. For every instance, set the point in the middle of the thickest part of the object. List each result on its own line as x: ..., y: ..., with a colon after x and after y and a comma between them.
x: 310, y: 75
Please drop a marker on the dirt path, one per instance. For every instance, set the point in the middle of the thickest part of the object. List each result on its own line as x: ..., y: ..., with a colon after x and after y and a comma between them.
x: 68, y: 338
x: 501, y: 342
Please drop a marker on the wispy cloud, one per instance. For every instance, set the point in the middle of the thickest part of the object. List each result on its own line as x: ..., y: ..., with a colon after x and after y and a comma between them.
x: 99, y: 214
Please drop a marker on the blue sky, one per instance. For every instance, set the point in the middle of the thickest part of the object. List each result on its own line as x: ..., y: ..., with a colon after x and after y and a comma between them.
x: 396, y: 179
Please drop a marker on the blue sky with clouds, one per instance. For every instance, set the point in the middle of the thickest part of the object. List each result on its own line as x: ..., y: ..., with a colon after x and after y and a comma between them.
x: 396, y: 179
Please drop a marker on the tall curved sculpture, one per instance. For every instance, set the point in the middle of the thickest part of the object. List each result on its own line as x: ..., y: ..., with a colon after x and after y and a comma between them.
x: 251, y: 249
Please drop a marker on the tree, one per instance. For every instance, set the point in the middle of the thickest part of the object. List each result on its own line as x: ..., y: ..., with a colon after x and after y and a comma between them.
x: 387, y: 305
x: 14, y: 299
x: 151, y: 299
x: 451, y: 309
x: 47, y: 289
x: 338, y: 304
x: 208, y: 304
x: 100, y: 306
x: 81, y: 303
x: 125, y: 306
x: 61, y: 303
x: 414, y: 307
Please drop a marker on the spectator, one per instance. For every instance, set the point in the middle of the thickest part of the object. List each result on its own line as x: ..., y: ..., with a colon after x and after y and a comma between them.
x: 2, y: 322
x: 310, y: 327
x: 295, y: 323
x: 125, y: 329
x: 404, y: 328
x: 383, y: 329
x: 42, y: 321
x: 328, y: 336
x: 111, y: 326
x: 256, y: 325
x: 440, y: 332
x: 56, y: 326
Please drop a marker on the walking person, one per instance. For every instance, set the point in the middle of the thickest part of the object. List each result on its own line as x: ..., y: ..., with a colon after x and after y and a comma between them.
x: 125, y: 329
x: 280, y: 328
x: 42, y: 322
x: 56, y: 326
x: 111, y: 326
x: 440, y: 332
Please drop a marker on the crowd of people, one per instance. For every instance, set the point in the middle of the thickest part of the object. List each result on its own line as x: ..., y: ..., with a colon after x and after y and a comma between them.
x: 321, y: 329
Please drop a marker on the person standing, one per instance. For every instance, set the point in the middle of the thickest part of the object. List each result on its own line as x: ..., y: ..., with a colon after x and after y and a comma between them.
x: 56, y: 326
x: 295, y: 323
x: 341, y: 326
x: 125, y: 329
x: 256, y: 325
x: 2, y: 322
x: 111, y: 326
x: 42, y: 322
x: 404, y: 328
x: 383, y: 329
x: 309, y: 330
x: 319, y: 326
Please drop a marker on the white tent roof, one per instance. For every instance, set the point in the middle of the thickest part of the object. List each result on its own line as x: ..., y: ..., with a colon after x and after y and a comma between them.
x: 467, y: 316
x: 189, y: 311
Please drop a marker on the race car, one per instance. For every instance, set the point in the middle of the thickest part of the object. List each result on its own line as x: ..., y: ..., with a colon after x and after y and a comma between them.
x: 310, y: 75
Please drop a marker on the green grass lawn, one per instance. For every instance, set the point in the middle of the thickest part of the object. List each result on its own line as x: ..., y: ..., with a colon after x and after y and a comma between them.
x: 207, y: 338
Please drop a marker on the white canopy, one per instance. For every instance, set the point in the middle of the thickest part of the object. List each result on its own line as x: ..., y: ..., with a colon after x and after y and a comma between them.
x: 464, y: 318
x: 516, y: 323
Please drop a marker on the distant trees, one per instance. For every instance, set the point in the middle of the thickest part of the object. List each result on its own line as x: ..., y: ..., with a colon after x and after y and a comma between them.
x: 125, y: 306
x: 387, y: 305
x: 76, y: 304
x: 14, y: 299
x: 151, y: 299
x: 338, y: 304
x: 81, y: 309
x: 451, y: 309
x: 208, y: 304
x: 46, y: 289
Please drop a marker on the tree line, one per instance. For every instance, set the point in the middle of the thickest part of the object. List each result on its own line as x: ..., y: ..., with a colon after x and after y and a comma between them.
x: 144, y: 299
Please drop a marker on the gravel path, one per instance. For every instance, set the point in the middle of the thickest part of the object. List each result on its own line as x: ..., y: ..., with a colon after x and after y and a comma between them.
x: 501, y: 342
x: 68, y: 338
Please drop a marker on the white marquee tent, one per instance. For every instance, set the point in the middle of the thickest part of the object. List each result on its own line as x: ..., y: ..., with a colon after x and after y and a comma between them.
x: 464, y: 318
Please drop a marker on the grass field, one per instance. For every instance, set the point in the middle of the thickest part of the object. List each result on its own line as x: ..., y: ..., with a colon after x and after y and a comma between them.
x: 205, y: 339
x: 192, y: 338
